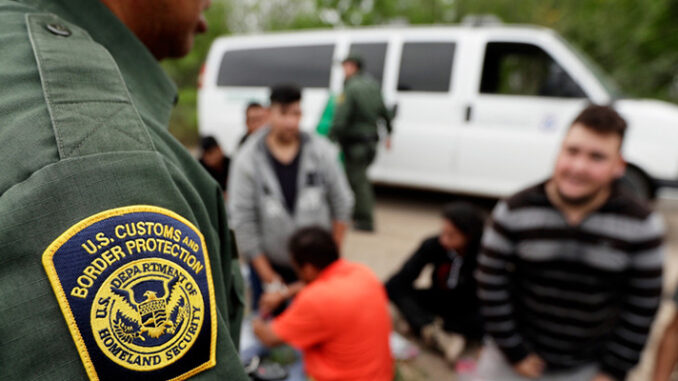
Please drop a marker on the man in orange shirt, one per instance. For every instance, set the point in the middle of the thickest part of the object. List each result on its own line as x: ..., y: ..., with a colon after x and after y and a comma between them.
x: 339, y: 320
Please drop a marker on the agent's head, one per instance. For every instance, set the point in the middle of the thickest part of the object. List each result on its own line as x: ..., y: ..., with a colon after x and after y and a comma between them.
x: 285, y: 112
x: 590, y: 156
x: 312, y: 250
x: 351, y: 65
x: 256, y: 116
x: 166, y: 27
x: 462, y: 228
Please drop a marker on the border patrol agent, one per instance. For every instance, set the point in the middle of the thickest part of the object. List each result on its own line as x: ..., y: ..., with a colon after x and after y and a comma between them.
x: 358, y: 110
x: 115, y: 256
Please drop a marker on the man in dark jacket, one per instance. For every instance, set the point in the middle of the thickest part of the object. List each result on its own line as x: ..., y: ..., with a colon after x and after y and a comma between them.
x: 451, y: 298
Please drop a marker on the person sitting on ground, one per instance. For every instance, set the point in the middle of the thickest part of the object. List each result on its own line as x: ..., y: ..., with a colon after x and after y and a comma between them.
x: 339, y: 320
x: 446, y: 314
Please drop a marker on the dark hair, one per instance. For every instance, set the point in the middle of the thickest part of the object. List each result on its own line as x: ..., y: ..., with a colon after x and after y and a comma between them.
x: 469, y: 220
x: 252, y: 105
x: 602, y: 119
x: 208, y: 142
x: 313, y: 245
x: 285, y: 94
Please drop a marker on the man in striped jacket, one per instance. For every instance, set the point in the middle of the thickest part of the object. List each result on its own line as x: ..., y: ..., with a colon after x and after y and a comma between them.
x: 570, y: 274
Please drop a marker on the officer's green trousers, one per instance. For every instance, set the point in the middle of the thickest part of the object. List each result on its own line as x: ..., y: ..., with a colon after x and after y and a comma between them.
x: 357, y: 158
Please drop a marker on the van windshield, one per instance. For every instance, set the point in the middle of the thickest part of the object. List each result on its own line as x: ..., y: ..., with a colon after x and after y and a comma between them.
x: 608, y: 83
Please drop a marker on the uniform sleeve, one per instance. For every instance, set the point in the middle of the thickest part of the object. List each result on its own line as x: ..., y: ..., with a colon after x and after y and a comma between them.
x: 242, y: 206
x: 339, y: 194
x: 301, y: 325
x: 494, y: 278
x: 385, y: 114
x: 103, y: 159
x: 643, y: 295
x: 34, y: 213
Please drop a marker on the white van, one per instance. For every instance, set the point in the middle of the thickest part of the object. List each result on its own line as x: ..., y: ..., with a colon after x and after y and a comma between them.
x: 480, y: 109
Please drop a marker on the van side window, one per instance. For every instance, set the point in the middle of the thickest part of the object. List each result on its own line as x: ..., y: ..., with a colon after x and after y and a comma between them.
x: 426, y: 66
x: 373, y: 56
x: 524, y: 69
x: 306, y: 66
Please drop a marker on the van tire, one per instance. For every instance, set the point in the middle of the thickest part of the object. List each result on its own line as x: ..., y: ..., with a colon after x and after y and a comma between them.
x: 638, y: 183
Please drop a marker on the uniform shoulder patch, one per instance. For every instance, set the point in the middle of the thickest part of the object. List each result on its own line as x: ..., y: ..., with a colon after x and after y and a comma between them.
x: 135, y: 287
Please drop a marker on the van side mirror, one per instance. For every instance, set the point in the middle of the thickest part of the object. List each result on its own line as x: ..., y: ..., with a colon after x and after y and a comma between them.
x: 394, y: 110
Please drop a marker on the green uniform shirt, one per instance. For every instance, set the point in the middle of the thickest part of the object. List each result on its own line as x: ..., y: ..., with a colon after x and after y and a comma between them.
x: 359, y: 109
x: 86, y: 165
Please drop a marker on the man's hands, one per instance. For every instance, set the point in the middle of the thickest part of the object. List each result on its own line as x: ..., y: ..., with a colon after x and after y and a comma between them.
x: 531, y: 366
x: 272, y: 299
x: 387, y: 143
x: 269, y: 301
x: 265, y: 333
x: 258, y: 325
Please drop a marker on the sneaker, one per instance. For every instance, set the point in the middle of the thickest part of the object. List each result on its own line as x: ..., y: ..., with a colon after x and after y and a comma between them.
x: 451, y: 344
x: 428, y: 333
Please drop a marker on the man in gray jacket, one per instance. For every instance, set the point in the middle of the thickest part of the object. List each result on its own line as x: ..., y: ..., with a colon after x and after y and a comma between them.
x: 283, y: 179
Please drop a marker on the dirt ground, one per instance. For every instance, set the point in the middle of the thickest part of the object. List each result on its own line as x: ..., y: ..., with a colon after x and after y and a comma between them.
x: 405, y: 217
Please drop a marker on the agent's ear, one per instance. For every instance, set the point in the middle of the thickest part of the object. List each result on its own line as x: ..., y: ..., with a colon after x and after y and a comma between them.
x: 620, y: 167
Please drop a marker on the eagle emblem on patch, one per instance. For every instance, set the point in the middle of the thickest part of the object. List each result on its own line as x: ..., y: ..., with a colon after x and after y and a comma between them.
x: 135, y: 287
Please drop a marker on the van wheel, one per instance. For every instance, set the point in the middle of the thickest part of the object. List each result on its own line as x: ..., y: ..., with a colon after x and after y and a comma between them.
x: 638, y: 183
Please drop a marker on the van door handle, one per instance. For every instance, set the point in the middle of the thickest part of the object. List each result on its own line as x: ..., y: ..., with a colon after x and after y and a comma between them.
x: 467, y: 113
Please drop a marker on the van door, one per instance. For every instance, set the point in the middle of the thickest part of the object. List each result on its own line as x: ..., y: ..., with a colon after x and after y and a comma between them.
x: 524, y: 102
x: 428, y: 115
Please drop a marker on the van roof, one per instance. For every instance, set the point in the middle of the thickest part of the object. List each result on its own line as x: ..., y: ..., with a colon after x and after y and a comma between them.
x: 385, y: 30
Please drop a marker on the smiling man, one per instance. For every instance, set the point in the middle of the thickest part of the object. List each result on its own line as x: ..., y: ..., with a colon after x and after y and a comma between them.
x: 570, y: 274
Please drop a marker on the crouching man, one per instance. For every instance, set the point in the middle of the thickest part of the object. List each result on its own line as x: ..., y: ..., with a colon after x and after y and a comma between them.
x: 339, y: 320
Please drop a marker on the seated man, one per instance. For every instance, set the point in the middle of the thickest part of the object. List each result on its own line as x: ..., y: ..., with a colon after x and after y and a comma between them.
x: 451, y: 298
x: 667, y: 353
x: 339, y: 319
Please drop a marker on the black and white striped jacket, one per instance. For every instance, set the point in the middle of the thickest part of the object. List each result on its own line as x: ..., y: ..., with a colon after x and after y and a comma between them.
x: 574, y: 295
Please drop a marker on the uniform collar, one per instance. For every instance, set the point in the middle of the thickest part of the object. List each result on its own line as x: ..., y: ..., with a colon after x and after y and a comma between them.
x: 354, y: 76
x: 150, y: 87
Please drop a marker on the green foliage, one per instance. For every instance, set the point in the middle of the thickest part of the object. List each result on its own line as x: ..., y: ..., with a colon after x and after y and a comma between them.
x: 635, y: 41
x: 185, y: 72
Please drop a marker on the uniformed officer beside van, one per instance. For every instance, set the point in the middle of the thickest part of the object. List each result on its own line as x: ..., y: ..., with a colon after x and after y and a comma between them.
x: 115, y: 256
x: 354, y: 126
